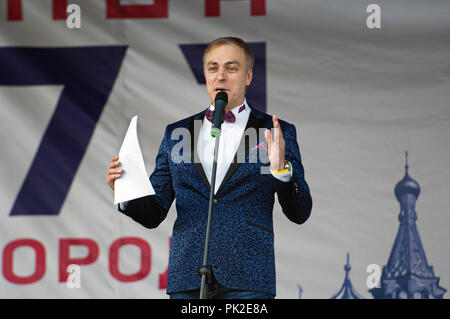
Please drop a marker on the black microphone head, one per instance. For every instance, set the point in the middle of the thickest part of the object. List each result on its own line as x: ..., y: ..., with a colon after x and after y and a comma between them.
x: 220, y: 104
x: 222, y: 95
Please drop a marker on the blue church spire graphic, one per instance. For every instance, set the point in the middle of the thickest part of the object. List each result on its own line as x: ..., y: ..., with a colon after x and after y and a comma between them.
x: 407, y: 273
x: 347, y: 291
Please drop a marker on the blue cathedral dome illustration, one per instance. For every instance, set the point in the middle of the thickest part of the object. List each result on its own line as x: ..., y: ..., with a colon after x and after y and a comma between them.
x: 407, y: 185
x: 407, y: 273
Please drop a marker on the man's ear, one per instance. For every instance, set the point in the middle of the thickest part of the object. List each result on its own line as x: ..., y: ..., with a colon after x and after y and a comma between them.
x: 249, y: 77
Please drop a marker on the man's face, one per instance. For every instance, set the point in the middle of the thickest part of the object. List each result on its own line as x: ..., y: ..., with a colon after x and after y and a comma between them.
x: 225, y: 69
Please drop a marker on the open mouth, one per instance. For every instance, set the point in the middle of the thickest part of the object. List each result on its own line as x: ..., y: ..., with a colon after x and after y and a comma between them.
x: 221, y: 90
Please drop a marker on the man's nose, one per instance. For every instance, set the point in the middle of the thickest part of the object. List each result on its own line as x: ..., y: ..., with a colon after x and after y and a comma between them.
x: 221, y: 76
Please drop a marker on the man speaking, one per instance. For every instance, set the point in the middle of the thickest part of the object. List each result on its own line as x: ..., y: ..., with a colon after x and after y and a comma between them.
x: 241, y: 249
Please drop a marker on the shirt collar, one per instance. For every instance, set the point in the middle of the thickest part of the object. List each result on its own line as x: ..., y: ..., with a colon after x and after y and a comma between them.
x: 236, y: 109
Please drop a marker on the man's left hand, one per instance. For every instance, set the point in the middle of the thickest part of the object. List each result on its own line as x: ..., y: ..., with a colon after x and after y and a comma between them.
x: 275, y: 146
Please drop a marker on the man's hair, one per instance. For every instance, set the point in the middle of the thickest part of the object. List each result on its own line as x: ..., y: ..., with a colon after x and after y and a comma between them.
x: 249, y: 57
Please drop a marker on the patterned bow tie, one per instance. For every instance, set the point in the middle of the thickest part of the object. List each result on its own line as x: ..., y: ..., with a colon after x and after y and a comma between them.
x: 229, y: 116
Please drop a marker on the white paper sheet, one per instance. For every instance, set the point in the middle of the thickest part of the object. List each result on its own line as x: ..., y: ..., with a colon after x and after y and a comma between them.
x: 134, y: 182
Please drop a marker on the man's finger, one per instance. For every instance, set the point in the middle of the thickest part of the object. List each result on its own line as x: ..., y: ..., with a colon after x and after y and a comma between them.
x: 276, y: 129
x: 111, y: 178
x: 277, y: 134
x: 114, y: 164
x: 111, y: 165
x: 268, y: 136
x: 276, y: 124
x: 114, y: 171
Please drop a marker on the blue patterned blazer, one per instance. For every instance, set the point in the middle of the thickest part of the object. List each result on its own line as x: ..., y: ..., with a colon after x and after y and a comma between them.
x: 242, y: 239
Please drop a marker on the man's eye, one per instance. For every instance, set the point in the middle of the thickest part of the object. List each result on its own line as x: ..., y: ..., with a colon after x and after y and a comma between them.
x: 212, y: 69
x: 232, y: 69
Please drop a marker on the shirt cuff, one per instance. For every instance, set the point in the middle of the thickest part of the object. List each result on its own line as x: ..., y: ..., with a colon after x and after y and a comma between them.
x: 284, y: 177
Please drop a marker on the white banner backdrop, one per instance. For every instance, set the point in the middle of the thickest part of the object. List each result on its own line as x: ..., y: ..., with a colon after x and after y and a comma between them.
x: 359, y: 98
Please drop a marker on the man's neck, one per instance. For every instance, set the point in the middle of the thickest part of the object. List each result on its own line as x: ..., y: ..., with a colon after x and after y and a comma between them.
x: 229, y: 108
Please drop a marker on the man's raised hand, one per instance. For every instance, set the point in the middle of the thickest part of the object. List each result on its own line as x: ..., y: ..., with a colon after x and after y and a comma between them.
x: 275, y: 146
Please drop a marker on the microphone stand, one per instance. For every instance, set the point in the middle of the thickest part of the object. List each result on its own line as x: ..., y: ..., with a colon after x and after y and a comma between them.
x: 205, y: 270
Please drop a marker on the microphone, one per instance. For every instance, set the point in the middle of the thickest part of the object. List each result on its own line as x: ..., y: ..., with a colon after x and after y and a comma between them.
x: 220, y: 103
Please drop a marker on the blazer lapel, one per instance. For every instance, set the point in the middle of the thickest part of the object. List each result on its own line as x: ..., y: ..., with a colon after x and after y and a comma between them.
x: 194, y: 129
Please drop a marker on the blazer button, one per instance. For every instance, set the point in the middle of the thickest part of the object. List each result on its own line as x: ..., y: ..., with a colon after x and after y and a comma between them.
x: 215, y: 201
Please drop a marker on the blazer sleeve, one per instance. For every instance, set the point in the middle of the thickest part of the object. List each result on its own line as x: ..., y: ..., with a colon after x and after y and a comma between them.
x: 294, y: 196
x: 150, y: 211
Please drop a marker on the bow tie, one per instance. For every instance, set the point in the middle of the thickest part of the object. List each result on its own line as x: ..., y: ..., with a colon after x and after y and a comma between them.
x: 229, y: 116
